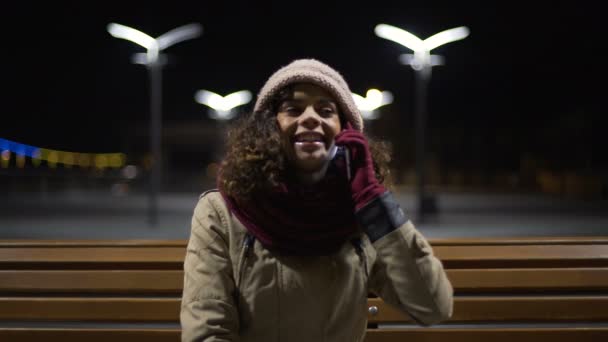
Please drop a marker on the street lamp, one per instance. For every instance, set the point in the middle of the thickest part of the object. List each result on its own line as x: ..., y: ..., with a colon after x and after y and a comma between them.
x: 422, y: 62
x: 373, y: 100
x: 222, y: 106
x: 154, y: 62
x: 221, y: 109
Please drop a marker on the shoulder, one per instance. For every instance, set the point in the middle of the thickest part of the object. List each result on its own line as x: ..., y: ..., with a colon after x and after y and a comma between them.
x: 212, y: 207
x: 213, y: 222
x: 210, y: 202
x: 210, y: 221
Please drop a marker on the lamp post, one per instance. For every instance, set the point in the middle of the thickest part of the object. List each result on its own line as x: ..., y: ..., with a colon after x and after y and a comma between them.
x: 154, y: 62
x: 221, y: 108
x: 422, y: 62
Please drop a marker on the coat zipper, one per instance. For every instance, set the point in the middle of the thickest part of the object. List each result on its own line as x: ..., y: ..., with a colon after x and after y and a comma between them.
x: 247, y: 244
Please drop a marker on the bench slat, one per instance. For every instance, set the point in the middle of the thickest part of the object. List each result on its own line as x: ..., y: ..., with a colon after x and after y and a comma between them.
x: 90, y: 309
x: 170, y: 281
x: 526, y: 280
x: 21, y: 243
x: 105, y: 281
x: 505, y: 309
x: 489, y: 334
x: 89, y: 335
x: 478, y: 309
x: 521, y: 240
x: 532, y: 256
x: 384, y: 335
x: 467, y: 241
x: 148, y: 256
x: 92, y: 257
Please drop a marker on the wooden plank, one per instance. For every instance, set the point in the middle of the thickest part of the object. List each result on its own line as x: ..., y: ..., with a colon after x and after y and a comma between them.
x: 92, y: 257
x: 528, y: 280
x: 20, y: 243
x: 373, y: 335
x: 89, y: 335
x: 170, y: 281
x: 523, y: 256
x: 90, y: 309
x: 489, y: 334
x: 71, y: 255
x: 466, y: 310
x: 512, y: 308
x: 493, y: 241
x: 105, y: 281
x: 516, y: 240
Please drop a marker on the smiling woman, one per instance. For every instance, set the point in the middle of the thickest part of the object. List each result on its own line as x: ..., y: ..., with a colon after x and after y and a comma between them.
x: 289, y: 247
x: 259, y: 153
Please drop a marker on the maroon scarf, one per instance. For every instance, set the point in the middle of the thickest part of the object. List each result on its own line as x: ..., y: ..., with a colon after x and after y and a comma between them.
x: 297, y: 219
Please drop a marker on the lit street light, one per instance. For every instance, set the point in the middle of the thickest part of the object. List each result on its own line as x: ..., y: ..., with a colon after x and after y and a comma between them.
x: 222, y: 107
x: 422, y: 62
x: 154, y: 61
x: 373, y: 100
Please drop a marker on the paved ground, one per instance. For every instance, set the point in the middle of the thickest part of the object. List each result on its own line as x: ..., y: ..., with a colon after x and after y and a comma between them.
x: 101, y: 215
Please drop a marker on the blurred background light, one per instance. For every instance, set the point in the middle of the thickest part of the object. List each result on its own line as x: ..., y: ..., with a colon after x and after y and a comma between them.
x: 54, y: 157
x: 222, y: 106
x: 101, y: 161
x: 68, y: 159
x: 129, y: 172
x: 373, y: 100
x: 5, y: 158
x: 36, y: 157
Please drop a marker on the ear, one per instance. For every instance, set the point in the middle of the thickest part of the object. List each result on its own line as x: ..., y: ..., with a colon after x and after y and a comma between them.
x: 348, y: 125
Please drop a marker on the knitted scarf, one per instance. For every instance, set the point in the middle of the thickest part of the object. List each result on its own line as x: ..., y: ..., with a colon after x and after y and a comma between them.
x: 297, y: 219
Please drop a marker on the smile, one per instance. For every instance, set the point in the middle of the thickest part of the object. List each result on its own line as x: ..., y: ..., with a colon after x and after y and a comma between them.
x: 309, y: 137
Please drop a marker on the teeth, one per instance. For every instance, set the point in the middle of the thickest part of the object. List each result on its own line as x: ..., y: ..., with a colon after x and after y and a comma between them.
x: 308, y: 142
x: 308, y: 137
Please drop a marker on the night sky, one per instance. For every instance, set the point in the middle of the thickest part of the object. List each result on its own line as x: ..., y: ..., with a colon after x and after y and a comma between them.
x: 529, y: 79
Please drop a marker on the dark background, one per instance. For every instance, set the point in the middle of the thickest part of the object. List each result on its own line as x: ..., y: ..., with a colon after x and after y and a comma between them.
x: 518, y: 105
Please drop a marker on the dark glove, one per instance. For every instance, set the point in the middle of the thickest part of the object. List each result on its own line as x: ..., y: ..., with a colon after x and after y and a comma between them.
x: 364, y: 185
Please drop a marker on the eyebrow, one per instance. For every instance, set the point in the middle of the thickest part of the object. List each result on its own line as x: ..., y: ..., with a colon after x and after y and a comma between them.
x: 329, y: 101
x: 323, y: 100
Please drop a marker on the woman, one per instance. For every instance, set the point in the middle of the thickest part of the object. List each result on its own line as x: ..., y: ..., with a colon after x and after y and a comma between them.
x: 295, y: 239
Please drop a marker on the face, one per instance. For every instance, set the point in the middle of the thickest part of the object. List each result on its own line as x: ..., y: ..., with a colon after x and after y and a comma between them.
x: 308, y: 121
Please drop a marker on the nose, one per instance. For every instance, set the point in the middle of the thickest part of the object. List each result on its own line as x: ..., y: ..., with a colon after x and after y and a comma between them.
x: 310, y: 118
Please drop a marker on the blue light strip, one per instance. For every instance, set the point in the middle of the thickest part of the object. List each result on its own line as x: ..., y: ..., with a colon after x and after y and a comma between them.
x: 52, y: 157
x: 20, y: 149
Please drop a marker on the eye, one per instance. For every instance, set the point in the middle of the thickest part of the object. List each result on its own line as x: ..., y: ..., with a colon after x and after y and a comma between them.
x: 327, y: 111
x: 289, y: 108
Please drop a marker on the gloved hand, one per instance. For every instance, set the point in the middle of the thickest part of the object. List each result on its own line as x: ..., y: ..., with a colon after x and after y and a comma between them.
x: 364, y: 185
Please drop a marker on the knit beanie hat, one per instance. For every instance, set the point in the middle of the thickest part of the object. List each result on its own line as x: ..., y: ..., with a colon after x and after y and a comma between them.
x: 315, y: 72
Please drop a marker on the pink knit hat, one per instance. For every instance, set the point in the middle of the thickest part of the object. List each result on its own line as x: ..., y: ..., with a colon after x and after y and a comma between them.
x: 315, y: 72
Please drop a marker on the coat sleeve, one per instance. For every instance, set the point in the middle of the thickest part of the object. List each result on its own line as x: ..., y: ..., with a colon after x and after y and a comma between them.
x: 405, y: 273
x: 208, y: 312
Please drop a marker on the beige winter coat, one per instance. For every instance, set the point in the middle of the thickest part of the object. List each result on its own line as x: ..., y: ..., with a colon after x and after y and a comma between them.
x: 236, y: 290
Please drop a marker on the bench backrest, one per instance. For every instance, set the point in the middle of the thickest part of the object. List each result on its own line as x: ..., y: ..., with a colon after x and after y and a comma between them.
x: 523, y: 288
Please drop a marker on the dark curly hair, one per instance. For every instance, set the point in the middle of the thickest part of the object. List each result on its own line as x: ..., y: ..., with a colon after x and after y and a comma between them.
x: 255, y: 161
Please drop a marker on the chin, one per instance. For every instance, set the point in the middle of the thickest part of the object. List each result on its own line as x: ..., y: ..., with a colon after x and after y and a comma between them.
x: 310, y: 162
x: 310, y: 165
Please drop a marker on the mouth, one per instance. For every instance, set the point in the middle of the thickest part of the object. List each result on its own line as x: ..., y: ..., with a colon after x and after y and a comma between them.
x: 309, y: 139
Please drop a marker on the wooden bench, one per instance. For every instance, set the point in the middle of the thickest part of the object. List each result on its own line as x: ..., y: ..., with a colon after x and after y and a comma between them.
x: 522, y: 289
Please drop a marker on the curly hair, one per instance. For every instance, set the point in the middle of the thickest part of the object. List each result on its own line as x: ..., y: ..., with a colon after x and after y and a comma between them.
x: 255, y: 161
